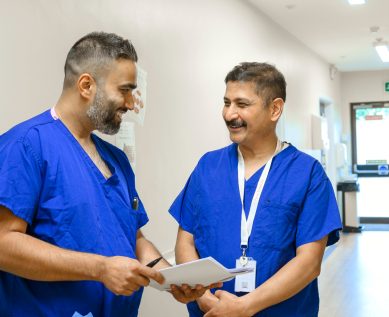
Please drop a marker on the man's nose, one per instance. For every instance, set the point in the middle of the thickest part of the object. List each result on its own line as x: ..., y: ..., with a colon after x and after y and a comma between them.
x: 130, y: 103
x: 231, y: 112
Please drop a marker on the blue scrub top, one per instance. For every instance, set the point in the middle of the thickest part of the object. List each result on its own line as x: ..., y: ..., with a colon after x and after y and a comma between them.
x: 297, y: 206
x: 48, y: 180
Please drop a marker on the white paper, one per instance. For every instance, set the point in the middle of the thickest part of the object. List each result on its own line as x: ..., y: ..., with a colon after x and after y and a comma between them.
x: 140, y: 95
x: 125, y: 140
x: 203, y: 271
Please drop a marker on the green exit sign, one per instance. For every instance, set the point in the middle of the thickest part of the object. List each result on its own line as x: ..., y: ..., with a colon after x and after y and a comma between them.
x: 387, y: 86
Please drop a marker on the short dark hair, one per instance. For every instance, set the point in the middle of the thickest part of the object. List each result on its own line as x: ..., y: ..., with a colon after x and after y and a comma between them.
x: 269, y: 81
x: 93, y: 52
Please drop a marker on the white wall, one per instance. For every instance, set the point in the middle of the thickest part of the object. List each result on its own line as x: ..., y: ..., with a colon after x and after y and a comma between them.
x: 187, y: 47
x: 364, y: 86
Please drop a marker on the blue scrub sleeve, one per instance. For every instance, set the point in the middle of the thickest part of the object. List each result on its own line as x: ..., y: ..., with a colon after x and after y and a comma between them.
x: 142, y: 215
x: 183, y: 207
x: 20, y: 179
x: 320, y: 215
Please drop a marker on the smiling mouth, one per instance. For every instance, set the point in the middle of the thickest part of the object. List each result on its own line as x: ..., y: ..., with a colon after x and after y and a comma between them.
x: 121, y: 112
x: 234, y: 125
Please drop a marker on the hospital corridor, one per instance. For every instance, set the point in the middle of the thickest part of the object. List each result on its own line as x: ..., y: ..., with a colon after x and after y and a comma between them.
x: 249, y: 131
x: 353, y: 281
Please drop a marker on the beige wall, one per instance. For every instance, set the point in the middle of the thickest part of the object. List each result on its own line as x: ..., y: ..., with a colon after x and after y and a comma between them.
x: 187, y: 47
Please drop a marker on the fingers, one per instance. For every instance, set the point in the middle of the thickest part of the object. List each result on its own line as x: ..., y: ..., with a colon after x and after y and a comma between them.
x: 129, y: 285
x: 178, y: 294
x: 188, y: 291
x: 125, y: 291
x: 219, y: 293
x: 183, y: 294
x: 186, y: 294
x: 224, y: 295
x: 199, y: 290
x: 123, y: 276
x: 151, y: 274
x: 215, y: 285
x: 138, y: 280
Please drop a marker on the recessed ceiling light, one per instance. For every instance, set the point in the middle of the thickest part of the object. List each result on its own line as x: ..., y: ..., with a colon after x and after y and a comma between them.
x: 382, y: 50
x: 355, y: 2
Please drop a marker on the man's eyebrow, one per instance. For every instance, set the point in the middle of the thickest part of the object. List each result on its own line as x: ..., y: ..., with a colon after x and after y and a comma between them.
x: 131, y: 86
x: 238, y: 99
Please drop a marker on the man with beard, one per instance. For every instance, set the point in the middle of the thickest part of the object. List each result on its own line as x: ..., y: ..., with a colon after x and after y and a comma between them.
x: 258, y: 202
x: 70, y: 217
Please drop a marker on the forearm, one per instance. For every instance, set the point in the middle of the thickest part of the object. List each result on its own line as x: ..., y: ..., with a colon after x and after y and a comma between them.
x: 185, y: 249
x: 28, y: 257
x: 147, y: 252
x: 185, y: 252
x: 289, y: 280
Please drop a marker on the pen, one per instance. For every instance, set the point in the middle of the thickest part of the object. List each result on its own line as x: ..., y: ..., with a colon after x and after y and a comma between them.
x: 135, y: 203
x: 154, y: 262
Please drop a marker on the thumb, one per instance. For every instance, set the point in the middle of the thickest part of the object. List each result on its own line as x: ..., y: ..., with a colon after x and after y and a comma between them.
x: 219, y: 294
x: 224, y: 295
x: 152, y: 274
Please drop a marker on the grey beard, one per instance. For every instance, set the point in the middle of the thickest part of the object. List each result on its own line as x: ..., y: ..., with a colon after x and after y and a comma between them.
x: 102, y: 118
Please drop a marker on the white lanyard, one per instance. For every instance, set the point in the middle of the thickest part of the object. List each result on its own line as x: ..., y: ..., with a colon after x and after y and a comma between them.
x: 53, y: 113
x: 247, y: 225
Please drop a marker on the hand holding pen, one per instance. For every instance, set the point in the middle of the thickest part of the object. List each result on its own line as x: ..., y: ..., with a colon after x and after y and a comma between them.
x: 124, y: 276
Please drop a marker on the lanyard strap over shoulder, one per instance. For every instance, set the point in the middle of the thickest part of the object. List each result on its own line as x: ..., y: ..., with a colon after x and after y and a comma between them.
x: 247, y: 224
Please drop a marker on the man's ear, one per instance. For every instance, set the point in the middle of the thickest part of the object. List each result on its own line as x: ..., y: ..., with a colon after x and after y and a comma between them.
x: 277, y: 106
x: 86, y: 86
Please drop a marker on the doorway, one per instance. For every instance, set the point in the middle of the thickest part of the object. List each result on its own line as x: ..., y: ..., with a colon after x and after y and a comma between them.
x: 370, y: 157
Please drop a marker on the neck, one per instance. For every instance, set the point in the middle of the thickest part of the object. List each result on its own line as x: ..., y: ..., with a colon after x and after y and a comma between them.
x: 74, y: 117
x: 255, y: 157
x: 261, y: 151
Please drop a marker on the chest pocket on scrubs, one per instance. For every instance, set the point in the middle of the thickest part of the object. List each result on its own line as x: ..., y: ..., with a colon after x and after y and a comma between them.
x: 275, y: 226
x: 123, y: 219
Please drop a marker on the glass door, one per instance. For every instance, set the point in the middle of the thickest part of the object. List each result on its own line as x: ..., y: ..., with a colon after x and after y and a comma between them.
x: 370, y: 157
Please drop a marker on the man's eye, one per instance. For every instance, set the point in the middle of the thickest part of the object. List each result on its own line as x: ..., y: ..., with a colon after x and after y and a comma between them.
x: 226, y: 104
x: 243, y: 105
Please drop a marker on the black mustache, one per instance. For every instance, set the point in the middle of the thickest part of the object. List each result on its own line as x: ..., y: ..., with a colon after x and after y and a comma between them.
x: 236, y: 123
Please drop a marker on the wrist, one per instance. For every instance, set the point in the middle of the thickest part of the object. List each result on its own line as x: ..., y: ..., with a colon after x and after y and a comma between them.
x: 100, y: 267
x: 245, y: 306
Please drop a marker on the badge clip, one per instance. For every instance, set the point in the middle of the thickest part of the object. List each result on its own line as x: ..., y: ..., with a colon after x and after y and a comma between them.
x: 243, y: 259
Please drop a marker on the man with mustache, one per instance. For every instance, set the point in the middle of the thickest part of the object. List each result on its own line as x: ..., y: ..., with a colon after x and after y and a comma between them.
x: 258, y: 202
x: 70, y: 216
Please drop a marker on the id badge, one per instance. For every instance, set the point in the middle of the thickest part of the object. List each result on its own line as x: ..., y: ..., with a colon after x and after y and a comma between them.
x: 246, y: 282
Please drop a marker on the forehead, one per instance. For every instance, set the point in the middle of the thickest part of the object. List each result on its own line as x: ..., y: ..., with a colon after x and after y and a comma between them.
x: 122, y: 71
x: 240, y: 89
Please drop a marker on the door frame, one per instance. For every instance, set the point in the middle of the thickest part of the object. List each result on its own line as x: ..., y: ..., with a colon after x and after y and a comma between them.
x: 365, y: 170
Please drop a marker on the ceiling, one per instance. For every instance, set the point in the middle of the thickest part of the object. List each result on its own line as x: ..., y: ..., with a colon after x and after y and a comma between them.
x: 339, y: 33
